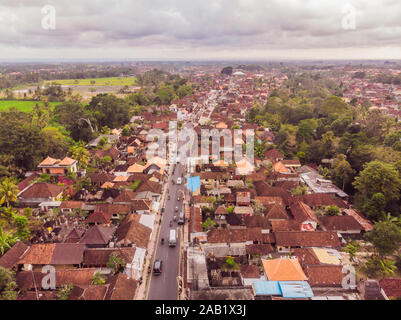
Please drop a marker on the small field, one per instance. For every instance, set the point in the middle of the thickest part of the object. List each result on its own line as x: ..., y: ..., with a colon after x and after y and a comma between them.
x: 22, y: 105
x: 112, y: 81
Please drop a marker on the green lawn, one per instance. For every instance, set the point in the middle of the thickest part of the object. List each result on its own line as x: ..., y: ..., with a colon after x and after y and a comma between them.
x: 112, y: 81
x: 22, y: 105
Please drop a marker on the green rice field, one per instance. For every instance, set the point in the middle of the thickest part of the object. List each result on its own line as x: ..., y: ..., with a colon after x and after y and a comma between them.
x: 22, y: 105
x: 112, y: 81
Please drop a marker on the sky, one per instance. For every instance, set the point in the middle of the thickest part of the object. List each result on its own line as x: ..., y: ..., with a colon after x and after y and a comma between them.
x: 200, y: 29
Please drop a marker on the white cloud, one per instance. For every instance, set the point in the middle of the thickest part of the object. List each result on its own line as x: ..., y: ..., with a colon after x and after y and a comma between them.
x: 199, y: 29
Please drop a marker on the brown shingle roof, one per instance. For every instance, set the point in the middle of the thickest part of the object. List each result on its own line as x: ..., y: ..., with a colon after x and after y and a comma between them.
x: 340, y: 223
x: 305, y: 256
x: 286, y: 225
x: 260, y: 249
x: 98, y: 235
x: 307, y: 239
x: 134, y: 233
x: 250, y: 271
x: 100, y: 256
x: 392, y: 287
x: 277, y: 212
x: 121, y: 288
x: 42, y: 190
x: 302, y: 212
x: 11, y: 257
x: 234, y: 235
x: 324, y: 276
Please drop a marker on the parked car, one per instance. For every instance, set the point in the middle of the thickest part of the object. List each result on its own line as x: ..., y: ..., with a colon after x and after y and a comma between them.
x: 158, y: 267
x: 179, y: 180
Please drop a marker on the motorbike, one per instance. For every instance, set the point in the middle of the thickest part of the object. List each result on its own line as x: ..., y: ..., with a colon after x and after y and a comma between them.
x: 162, y: 240
x: 171, y: 223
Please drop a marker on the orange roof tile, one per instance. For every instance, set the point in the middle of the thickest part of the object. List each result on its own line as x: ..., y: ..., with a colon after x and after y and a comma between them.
x: 283, y: 270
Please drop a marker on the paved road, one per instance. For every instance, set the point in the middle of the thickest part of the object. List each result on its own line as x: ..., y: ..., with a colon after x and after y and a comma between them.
x: 164, y: 286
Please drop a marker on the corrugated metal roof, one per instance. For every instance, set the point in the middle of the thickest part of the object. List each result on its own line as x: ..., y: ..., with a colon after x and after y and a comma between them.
x: 295, y: 289
x: 266, y: 288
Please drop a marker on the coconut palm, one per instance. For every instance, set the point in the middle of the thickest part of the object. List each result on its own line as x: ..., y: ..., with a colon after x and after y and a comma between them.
x: 8, y: 191
x: 80, y: 154
x: 7, y: 240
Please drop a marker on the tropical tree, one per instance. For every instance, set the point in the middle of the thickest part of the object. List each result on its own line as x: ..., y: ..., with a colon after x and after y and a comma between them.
x: 8, y: 191
x: 7, y: 240
x: 80, y: 154
x: 385, y: 236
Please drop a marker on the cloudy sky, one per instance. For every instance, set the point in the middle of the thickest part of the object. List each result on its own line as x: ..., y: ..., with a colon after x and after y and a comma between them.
x: 200, y: 29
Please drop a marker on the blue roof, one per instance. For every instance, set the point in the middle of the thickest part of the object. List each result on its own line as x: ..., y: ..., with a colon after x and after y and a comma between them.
x: 295, y: 289
x: 266, y: 288
x: 193, y: 183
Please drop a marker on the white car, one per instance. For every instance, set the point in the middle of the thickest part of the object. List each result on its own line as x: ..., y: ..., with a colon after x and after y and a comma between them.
x: 179, y: 181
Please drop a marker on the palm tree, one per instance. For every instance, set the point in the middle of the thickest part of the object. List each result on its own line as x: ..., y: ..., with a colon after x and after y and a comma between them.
x: 7, y: 240
x: 80, y: 154
x: 8, y: 191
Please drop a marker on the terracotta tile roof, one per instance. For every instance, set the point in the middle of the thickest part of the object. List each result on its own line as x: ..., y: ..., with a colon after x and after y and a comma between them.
x: 98, y: 235
x: 307, y: 239
x: 234, y: 235
x: 150, y: 186
x: 324, y: 276
x: 111, y: 208
x: 305, y: 256
x: 340, y: 223
x: 93, y: 292
x: 71, y: 204
x: 134, y: 233
x: 302, y: 212
x: 320, y: 200
x: 250, y: 271
x: 26, y: 182
x: 257, y: 221
x: 42, y: 190
x: 80, y: 277
x: 392, y: 287
x: 99, y: 217
x: 277, y: 212
x: 100, y: 256
x: 259, y: 249
x: 286, y: 225
x: 121, y: 288
x: 221, y: 210
x: 243, y: 198
x: 283, y: 269
x: 67, y: 161
x: 49, y: 161
x: 101, y: 178
x: 273, y: 154
x: 52, y: 253
x: 195, y: 223
x: 38, y: 254
x: 266, y: 200
x: 68, y: 253
x: 13, y: 255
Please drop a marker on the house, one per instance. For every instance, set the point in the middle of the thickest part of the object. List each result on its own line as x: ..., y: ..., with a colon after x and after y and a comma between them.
x: 345, y: 225
x: 391, y: 287
x: 70, y: 206
x: 301, y: 239
x: 243, y: 198
x: 40, y: 192
x: 324, y: 275
x: 304, y: 215
x: 285, y: 225
x: 274, y: 155
x: 283, y: 269
x: 59, y: 255
x: 133, y: 233
x: 58, y: 167
x: 277, y: 212
x: 97, y: 236
x: 249, y: 274
x: 98, y: 257
x: 10, y: 259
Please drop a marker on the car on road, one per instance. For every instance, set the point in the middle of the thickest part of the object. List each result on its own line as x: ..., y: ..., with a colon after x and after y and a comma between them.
x: 181, y: 219
x: 179, y: 180
x: 158, y: 267
x: 176, y: 208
